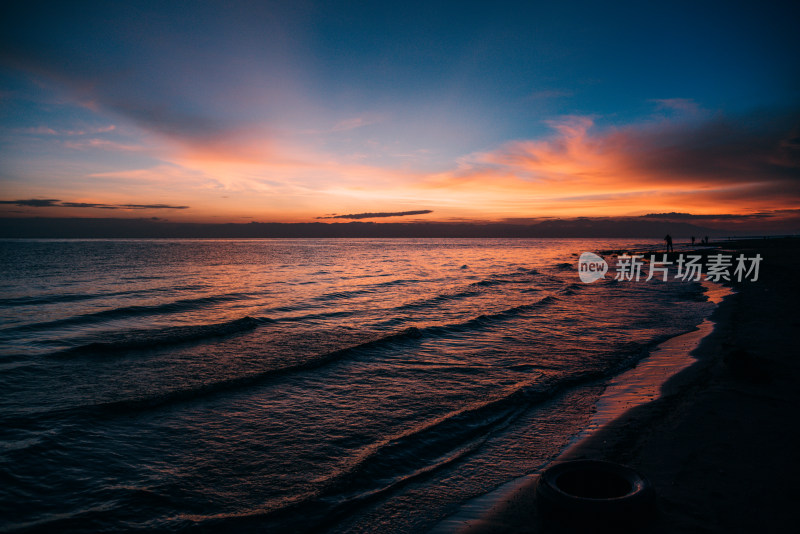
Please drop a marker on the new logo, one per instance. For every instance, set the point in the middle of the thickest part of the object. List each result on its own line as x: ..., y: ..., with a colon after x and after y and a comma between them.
x: 591, y: 267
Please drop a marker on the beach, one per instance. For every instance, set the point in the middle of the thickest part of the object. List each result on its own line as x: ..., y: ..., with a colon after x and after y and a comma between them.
x: 719, y: 444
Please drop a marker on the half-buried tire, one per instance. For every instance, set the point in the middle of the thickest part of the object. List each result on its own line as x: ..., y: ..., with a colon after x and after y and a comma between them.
x: 595, y: 494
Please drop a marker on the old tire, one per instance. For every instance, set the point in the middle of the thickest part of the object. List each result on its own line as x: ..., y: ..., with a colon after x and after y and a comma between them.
x: 595, y: 493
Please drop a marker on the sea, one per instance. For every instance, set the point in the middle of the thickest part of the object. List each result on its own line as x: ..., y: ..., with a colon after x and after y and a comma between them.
x: 302, y: 385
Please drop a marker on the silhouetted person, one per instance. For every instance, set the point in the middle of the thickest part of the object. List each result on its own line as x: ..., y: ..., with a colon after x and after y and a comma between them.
x: 692, y: 240
x: 705, y: 240
x: 668, y: 241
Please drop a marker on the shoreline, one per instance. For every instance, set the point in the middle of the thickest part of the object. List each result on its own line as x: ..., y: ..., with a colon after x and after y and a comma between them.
x: 633, y: 387
x: 684, y: 440
x: 644, y: 383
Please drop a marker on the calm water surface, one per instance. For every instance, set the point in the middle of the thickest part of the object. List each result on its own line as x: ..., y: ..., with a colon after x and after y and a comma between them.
x: 294, y: 385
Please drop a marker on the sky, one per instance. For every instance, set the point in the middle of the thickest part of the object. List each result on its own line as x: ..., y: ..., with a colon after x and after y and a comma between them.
x: 416, y: 111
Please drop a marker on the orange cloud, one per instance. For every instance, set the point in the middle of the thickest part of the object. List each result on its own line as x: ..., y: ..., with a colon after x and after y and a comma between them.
x: 663, y: 165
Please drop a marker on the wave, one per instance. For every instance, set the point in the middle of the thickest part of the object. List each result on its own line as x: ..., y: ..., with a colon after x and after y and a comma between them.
x: 125, y: 406
x: 399, y: 282
x: 472, y: 290
x: 43, y: 300
x: 391, y: 463
x: 145, y: 339
x: 407, y: 457
x: 466, y: 293
x: 433, y: 440
x: 438, y: 299
x: 52, y: 299
x: 493, y: 282
x: 486, y: 319
x: 473, y: 323
x: 339, y: 295
x: 571, y: 289
x: 150, y: 338
x: 418, y: 452
x: 141, y: 502
x: 131, y: 311
x: 507, y: 278
x: 411, y: 334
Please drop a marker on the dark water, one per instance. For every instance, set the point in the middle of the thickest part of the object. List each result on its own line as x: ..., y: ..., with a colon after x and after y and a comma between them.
x: 299, y: 385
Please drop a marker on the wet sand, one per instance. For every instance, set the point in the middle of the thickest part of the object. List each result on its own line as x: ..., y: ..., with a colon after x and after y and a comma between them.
x: 719, y: 444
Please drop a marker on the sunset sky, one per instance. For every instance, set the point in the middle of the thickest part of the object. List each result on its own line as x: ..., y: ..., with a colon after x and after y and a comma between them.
x: 490, y: 111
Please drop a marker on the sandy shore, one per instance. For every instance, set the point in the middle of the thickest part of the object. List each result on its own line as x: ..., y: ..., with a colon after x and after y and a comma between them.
x: 719, y: 444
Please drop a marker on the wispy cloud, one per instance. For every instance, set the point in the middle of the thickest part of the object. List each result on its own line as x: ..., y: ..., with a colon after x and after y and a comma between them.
x: 103, y: 144
x: 46, y: 130
x: 378, y: 215
x: 33, y: 202
x: 55, y: 203
x: 353, y: 123
x: 39, y: 130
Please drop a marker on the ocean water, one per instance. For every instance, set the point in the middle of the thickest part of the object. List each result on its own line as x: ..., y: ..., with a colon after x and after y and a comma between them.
x: 300, y: 385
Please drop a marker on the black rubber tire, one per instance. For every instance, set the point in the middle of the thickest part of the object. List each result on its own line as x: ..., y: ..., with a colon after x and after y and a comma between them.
x: 596, y: 494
